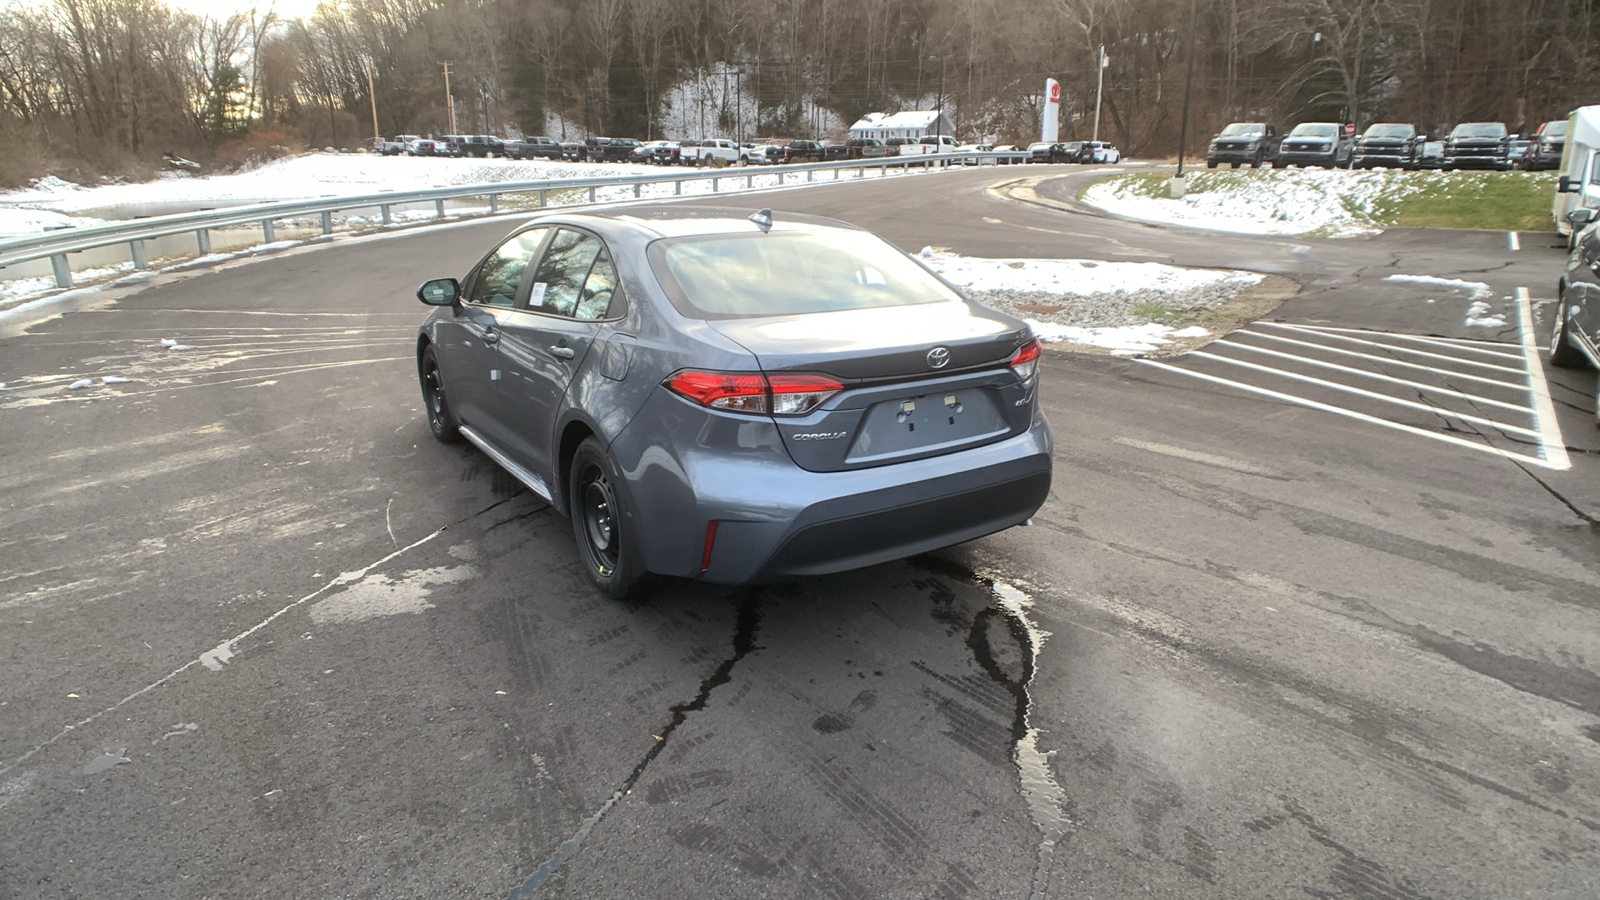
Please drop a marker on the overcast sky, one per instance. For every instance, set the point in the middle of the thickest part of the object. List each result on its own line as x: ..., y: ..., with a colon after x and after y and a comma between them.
x: 286, y: 9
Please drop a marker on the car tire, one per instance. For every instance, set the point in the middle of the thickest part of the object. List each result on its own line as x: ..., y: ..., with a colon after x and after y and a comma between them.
x: 605, y: 546
x: 1562, y: 353
x: 441, y: 419
x: 1211, y: 164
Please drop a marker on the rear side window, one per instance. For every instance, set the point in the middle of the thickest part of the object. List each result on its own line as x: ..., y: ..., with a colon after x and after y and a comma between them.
x: 563, y: 271
x: 782, y: 274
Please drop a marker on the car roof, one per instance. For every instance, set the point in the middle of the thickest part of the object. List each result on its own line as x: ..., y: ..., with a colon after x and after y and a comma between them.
x: 671, y: 221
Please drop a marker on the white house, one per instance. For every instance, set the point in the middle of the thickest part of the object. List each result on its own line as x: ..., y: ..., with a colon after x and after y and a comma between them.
x: 913, y: 124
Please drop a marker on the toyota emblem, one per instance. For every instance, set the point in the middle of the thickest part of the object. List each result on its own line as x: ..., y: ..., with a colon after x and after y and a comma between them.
x: 939, y: 357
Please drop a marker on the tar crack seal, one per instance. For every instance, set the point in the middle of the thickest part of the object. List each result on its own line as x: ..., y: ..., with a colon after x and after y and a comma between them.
x: 744, y: 638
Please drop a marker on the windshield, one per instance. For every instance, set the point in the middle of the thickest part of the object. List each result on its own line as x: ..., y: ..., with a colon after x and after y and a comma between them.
x: 1243, y: 129
x: 1479, y: 130
x: 1390, y: 131
x: 753, y: 275
x: 1315, y: 129
x: 1554, y: 129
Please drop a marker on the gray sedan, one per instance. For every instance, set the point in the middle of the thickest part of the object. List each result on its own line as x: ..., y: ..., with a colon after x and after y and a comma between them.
x: 731, y: 397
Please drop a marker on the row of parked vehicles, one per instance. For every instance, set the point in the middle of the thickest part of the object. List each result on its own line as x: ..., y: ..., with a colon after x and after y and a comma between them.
x: 1392, y: 145
x: 1073, y: 152
x: 707, y: 152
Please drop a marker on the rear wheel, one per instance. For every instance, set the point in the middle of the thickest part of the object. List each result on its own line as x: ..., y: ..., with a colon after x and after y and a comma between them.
x: 441, y: 421
x: 1562, y: 353
x: 605, y: 545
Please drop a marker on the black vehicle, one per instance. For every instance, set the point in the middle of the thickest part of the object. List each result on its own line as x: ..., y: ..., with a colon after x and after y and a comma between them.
x: 1074, y: 152
x: 480, y: 146
x: 1575, y: 331
x: 804, y: 151
x: 574, y: 151
x: 608, y: 149
x: 1392, y: 145
x: 1430, y: 155
x: 533, y: 148
x: 1548, y: 142
x: 1478, y: 145
x: 1243, y: 142
x: 448, y: 145
x: 835, y: 151
x: 1324, y: 144
x: 865, y: 148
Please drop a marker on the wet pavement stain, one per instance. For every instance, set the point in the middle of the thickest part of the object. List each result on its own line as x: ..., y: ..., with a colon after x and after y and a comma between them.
x: 749, y: 624
x: 1006, y: 644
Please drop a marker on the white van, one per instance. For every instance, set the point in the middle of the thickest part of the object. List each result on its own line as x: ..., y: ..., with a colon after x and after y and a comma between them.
x: 1579, y: 187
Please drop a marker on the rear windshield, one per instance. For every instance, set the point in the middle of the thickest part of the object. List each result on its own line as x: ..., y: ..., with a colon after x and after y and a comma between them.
x: 1479, y: 129
x: 785, y: 274
x: 1240, y: 129
x: 1314, y: 130
x: 1554, y: 129
x: 1390, y: 131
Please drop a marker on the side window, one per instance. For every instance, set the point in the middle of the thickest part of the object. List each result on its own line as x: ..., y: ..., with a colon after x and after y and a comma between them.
x: 1594, y: 167
x: 499, y: 276
x: 563, y: 271
x: 598, y: 290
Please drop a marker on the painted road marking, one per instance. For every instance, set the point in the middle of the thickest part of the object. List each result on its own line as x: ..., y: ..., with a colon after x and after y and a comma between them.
x: 1520, y: 410
x: 1511, y: 240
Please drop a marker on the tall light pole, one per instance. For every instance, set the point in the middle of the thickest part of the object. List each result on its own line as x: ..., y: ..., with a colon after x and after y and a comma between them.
x: 1178, y: 187
x: 372, y: 96
x: 449, y: 100
x: 1099, y: 85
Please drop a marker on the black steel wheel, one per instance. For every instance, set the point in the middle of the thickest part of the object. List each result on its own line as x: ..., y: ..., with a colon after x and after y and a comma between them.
x: 604, y: 545
x: 441, y: 421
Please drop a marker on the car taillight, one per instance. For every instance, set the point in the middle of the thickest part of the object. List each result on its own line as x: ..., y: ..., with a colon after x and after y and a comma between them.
x: 1025, y: 362
x: 781, y: 395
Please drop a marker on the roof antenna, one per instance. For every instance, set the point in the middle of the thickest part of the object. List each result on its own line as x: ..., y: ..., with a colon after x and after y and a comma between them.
x: 763, y: 219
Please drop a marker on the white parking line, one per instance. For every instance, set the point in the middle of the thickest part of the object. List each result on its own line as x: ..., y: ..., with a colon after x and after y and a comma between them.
x: 1551, y: 444
x: 1384, y: 398
x: 1422, y: 353
x: 1380, y: 359
x: 1363, y: 417
x: 1511, y: 239
x: 1488, y: 348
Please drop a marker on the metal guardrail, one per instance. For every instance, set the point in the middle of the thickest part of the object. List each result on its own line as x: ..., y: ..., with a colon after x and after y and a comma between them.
x: 55, y: 245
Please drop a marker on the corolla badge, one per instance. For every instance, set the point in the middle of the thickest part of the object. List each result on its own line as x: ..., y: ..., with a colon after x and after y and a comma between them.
x: 939, y: 357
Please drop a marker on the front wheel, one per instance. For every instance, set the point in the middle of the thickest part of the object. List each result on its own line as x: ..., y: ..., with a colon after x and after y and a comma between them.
x: 1562, y: 353
x: 605, y: 543
x: 441, y: 420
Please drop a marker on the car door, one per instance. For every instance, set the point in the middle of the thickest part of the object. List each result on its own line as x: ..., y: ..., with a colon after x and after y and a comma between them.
x: 544, y: 341
x: 469, y: 360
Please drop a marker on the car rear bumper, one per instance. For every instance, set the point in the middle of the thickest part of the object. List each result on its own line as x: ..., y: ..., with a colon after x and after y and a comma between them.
x: 775, y: 520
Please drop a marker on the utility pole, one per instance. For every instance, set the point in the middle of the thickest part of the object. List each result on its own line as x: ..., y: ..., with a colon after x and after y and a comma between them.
x: 449, y: 101
x: 1099, y: 85
x: 1178, y: 186
x: 373, y: 96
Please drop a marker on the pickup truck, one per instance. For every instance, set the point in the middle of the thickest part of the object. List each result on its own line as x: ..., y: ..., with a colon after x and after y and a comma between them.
x: 712, y: 152
x: 804, y: 151
x: 392, y: 146
x: 942, y: 143
x: 1244, y: 142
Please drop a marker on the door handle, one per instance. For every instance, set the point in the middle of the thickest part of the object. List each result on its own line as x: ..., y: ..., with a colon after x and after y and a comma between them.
x: 490, y: 336
x: 563, y: 352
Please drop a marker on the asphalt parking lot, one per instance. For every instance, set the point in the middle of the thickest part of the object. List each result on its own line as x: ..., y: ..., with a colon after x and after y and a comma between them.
x: 263, y: 637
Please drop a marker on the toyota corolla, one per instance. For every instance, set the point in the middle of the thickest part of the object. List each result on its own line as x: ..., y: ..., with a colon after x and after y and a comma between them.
x: 712, y: 394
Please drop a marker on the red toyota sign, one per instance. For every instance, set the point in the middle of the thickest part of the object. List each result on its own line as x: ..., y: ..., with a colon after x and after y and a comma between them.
x: 1055, y: 92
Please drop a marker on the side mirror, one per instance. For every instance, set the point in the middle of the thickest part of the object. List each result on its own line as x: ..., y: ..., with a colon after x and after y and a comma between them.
x: 1581, y: 217
x: 1566, y: 185
x: 439, y: 292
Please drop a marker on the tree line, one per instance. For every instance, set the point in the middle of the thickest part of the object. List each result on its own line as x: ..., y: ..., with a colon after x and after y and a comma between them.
x: 106, y: 84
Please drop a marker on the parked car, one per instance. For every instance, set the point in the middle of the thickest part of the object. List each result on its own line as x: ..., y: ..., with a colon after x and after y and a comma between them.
x: 423, y: 147
x: 1043, y: 152
x: 762, y: 154
x: 1517, y: 148
x: 933, y: 143
x: 1478, y: 145
x: 448, y: 145
x: 1243, y: 142
x: 866, y: 148
x: 533, y: 148
x: 1575, y: 326
x: 1015, y: 155
x: 1548, y: 142
x: 713, y: 152
x: 390, y: 146
x: 1104, y: 152
x: 803, y: 151
x: 481, y: 146
x: 1074, y: 152
x: 1324, y: 144
x: 1389, y: 145
x: 833, y: 151
x: 674, y: 381
x: 574, y: 151
x: 608, y: 149
x: 1430, y: 155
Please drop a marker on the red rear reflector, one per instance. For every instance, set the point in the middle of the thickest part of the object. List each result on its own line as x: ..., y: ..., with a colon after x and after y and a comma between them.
x: 711, y: 538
